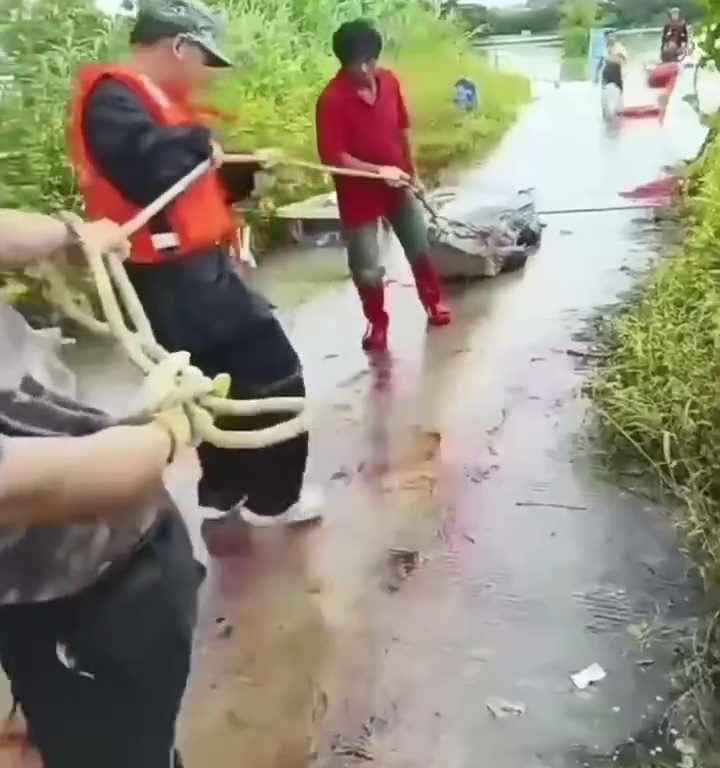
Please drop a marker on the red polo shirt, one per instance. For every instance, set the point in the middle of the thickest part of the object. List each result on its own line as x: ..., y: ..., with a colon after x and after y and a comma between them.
x: 348, y: 124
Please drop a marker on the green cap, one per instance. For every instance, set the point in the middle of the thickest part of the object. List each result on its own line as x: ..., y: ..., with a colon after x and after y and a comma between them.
x: 189, y: 18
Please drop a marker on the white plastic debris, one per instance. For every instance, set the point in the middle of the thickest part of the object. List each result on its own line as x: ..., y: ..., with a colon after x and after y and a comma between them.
x: 686, y: 747
x: 499, y: 708
x: 588, y: 676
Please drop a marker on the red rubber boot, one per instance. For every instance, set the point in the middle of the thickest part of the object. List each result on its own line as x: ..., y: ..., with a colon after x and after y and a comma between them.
x: 428, y: 288
x: 372, y: 298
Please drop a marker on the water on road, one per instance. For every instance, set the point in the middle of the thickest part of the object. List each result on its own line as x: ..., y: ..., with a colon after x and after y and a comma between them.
x: 470, y: 553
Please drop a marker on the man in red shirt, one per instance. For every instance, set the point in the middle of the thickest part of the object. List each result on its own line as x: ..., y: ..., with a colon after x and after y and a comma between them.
x: 363, y: 124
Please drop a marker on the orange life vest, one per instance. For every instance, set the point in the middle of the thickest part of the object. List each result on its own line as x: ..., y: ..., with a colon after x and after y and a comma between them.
x: 199, y: 218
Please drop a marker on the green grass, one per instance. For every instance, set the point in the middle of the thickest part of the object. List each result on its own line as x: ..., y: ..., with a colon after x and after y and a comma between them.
x: 443, y: 135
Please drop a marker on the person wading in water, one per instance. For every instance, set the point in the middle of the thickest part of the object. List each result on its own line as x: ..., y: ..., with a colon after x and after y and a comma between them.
x: 615, y: 59
x: 675, y: 37
x: 98, y: 584
x: 363, y: 124
x: 134, y: 134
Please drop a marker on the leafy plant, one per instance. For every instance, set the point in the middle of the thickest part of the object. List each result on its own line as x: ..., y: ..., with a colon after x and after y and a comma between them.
x: 42, y: 44
x: 578, y: 18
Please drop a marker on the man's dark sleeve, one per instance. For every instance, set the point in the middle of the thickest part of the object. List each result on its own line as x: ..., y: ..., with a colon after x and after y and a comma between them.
x: 137, y: 155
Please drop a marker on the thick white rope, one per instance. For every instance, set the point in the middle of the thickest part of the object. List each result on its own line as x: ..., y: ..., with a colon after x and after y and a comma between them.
x: 204, y: 398
x: 178, y: 381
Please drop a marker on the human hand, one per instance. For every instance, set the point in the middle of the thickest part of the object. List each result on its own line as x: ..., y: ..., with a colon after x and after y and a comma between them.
x: 394, y: 177
x: 103, y: 236
x: 417, y: 185
x: 269, y: 157
x: 176, y: 422
x: 218, y: 154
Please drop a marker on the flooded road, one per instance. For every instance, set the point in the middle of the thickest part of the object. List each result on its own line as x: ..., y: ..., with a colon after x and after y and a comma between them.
x: 463, y: 450
x: 470, y: 553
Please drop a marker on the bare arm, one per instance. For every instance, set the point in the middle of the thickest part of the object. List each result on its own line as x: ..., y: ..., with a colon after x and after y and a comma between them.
x: 26, y: 238
x: 346, y: 160
x: 70, y: 479
x: 29, y: 237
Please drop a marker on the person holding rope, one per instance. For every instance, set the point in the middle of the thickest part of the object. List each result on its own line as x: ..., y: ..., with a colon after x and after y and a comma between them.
x: 98, y: 584
x: 135, y: 132
x: 363, y: 125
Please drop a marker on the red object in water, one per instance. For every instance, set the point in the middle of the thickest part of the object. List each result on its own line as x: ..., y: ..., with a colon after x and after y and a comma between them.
x: 659, y: 190
x: 663, y: 75
x: 641, y: 111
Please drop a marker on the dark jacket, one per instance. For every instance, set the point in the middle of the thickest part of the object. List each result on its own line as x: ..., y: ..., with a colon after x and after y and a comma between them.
x: 198, y: 303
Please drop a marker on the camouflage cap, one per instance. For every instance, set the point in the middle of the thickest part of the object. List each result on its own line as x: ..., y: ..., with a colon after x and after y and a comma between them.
x: 189, y: 18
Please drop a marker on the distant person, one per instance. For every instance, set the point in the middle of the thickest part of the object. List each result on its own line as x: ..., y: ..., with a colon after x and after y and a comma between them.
x: 615, y: 59
x: 363, y: 125
x: 675, y: 32
x: 466, y: 96
x: 598, y: 49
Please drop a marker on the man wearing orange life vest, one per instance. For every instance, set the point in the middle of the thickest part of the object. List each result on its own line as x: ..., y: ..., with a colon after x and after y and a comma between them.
x: 133, y: 135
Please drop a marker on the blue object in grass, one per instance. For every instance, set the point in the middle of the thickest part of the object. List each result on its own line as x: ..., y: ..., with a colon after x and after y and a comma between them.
x: 466, y: 95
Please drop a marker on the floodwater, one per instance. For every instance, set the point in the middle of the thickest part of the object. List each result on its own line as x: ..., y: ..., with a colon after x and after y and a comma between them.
x: 470, y: 551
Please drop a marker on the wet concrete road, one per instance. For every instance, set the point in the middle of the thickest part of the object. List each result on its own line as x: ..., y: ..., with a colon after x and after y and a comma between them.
x: 463, y: 449
x: 466, y: 449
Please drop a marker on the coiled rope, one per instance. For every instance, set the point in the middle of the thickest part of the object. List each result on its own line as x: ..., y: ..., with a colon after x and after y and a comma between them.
x: 205, y: 399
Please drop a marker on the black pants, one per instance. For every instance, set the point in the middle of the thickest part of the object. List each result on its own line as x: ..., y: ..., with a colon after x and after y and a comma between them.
x: 612, y: 73
x: 271, y: 478
x: 202, y: 306
x: 128, y: 640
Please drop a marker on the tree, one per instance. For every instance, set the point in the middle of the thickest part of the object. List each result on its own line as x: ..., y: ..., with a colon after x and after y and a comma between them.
x: 578, y: 18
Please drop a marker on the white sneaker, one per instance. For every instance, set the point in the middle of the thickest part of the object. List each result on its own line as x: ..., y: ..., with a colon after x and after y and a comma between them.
x: 308, y: 509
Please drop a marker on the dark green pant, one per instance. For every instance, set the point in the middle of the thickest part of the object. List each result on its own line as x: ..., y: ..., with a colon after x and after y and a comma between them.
x: 363, y: 244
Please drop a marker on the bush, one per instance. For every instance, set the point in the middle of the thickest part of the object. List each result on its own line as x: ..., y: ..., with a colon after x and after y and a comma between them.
x: 575, y: 42
x: 43, y: 44
x: 578, y: 18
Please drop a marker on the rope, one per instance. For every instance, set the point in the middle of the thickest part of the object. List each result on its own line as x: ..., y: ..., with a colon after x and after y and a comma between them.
x: 171, y: 378
x: 182, y: 383
x: 462, y: 229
